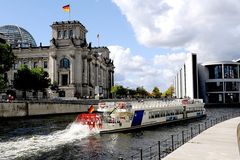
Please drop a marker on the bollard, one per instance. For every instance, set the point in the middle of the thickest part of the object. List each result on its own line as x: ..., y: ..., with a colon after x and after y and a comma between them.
x: 211, y: 123
x: 141, y: 154
x: 172, y: 143
x: 199, y: 128
x: 182, y: 137
x: 191, y: 132
x: 205, y: 125
x: 159, y: 150
x: 150, y: 150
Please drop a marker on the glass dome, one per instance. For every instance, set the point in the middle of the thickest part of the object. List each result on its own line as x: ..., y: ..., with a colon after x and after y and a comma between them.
x: 17, y: 36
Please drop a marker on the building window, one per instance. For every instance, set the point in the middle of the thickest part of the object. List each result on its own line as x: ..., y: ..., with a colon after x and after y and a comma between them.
x: 64, y: 63
x: 15, y: 66
x: 230, y: 71
x: 64, y: 34
x: 70, y: 33
x: 231, y: 86
x: 45, y: 64
x: 231, y: 97
x: 15, y: 75
x: 215, y: 72
x: 35, y: 64
x: 215, y: 98
x: 59, y: 34
x: 64, y: 79
x: 214, y: 86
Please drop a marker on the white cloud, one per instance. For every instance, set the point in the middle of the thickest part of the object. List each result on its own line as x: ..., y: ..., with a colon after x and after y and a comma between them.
x: 134, y: 70
x: 209, y: 28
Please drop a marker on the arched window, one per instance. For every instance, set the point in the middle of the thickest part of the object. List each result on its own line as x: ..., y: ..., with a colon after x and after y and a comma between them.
x: 64, y: 63
x: 59, y: 34
x: 70, y: 33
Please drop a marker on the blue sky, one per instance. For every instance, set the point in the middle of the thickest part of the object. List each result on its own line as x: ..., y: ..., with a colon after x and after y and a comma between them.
x: 98, y: 16
x: 148, y: 40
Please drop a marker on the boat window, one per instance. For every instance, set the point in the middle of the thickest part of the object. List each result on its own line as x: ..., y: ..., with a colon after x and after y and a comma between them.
x: 163, y: 114
x: 149, y: 115
x: 152, y: 116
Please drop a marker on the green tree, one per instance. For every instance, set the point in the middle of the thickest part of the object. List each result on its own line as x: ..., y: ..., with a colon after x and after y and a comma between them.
x: 41, y: 78
x: 6, y: 61
x: 23, y: 80
x: 119, y: 91
x: 7, y: 58
x: 156, y: 92
x: 2, y: 82
x: 141, y: 92
x: 35, y: 79
x: 169, y: 92
x: 131, y: 92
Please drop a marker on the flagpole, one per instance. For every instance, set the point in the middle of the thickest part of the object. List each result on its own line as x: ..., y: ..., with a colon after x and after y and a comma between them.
x: 69, y: 13
x: 98, y: 39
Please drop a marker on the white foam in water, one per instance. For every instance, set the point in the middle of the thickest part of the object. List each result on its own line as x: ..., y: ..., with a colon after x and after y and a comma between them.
x: 29, y: 146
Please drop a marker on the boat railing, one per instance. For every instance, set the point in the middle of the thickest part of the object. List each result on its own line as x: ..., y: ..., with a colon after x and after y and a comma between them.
x: 155, y: 104
x: 164, y: 147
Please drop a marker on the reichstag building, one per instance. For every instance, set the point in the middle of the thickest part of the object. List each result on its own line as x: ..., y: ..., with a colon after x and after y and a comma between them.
x: 73, y: 64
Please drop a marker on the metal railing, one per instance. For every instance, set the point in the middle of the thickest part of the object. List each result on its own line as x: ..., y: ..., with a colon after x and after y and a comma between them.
x: 161, y: 149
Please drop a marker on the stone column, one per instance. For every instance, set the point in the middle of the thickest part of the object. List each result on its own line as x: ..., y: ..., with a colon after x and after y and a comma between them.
x: 90, y: 72
x: 85, y: 71
x: 55, y: 70
x: 72, y: 69
x: 97, y: 75
x: 93, y: 73
x: 52, y: 67
x: 78, y: 69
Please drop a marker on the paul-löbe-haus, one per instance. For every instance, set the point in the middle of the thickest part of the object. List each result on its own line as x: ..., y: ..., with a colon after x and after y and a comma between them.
x: 78, y: 68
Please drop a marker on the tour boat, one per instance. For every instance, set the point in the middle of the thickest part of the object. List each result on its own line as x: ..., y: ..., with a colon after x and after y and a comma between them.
x: 123, y: 116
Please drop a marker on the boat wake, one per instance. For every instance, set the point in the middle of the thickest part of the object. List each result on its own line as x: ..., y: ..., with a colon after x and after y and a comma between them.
x: 23, y: 147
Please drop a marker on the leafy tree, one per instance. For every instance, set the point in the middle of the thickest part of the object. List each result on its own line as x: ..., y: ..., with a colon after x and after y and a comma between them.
x: 54, y: 86
x: 142, y: 92
x: 41, y: 78
x: 23, y: 80
x: 2, y: 82
x: 131, y: 92
x: 119, y: 91
x: 6, y: 58
x: 6, y: 61
x: 169, y: 92
x: 35, y: 79
x: 156, y: 92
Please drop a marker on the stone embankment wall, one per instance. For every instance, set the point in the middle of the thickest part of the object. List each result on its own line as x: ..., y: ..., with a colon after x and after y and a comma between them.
x: 24, y: 109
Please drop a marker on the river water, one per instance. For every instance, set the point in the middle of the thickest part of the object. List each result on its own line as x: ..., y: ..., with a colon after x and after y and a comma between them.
x: 57, y: 137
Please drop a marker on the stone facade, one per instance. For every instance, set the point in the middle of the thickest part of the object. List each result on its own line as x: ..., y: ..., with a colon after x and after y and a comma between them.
x: 78, y: 68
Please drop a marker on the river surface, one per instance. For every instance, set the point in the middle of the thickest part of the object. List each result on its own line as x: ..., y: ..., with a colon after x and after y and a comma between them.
x: 57, y: 137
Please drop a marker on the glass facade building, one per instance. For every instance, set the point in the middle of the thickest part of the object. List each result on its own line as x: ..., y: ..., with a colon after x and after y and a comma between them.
x: 17, y: 36
x: 216, y: 82
x: 220, y: 82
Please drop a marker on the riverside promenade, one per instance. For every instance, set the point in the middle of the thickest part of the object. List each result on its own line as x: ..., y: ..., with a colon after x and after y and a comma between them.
x: 220, y: 142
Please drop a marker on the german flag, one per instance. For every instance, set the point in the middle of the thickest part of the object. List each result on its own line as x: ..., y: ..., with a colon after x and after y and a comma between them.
x: 90, y: 109
x: 66, y: 8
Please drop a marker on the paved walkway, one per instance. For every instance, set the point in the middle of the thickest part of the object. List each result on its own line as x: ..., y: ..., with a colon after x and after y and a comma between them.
x: 219, y: 142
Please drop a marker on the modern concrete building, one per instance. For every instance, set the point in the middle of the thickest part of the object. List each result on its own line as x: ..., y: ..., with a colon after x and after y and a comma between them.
x: 78, y: 68
x: 186, y: 80
x: 214, y: 82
